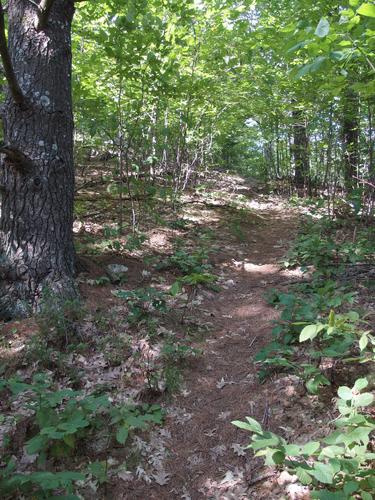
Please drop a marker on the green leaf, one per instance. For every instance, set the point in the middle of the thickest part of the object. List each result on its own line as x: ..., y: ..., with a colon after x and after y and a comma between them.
x: 295, y: 47
x: 310, y: 332
x: 70, y: 440
x: 292, y: 450
x: 322, y: 29
x: 353, y: 316
x: 323, y: 473
x: 328, y: 495
x: 357, y: 435
x: 175, y: 288
x: 363, y: 341
x: 122, y: 434
x: 366, y: 496
x: 350, y: 487
x: 345, y: 393
x: 309, y: 68
x: 332, y: 451
x: 360, y: 384
x: 264, y: 443
x: 99, y: 470
x: 338, y: 55
x: 36, y: 444
x: 251, y: 425
x: 366, y: 9
x: 362, y: 400
x: 278, y: 457
x: 310, y: 448
x: 303, y: 476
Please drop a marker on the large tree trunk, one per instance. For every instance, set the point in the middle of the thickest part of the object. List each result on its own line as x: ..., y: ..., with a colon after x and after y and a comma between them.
x: 300, y: 150
x: 37, y: 174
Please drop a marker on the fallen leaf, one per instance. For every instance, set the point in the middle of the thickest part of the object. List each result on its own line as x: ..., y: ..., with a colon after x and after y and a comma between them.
x: 161, y: 477
x: 238, y: 449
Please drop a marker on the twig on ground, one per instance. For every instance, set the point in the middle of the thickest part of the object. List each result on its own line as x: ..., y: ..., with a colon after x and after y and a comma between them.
x: 262, y: 477
x: 253, y: 341
x: 266, y: 415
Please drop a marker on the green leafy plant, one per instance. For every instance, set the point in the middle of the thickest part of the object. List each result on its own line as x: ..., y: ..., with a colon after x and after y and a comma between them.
x: 187, y: 263
x: 319, y: 246
x: 174, y: 354
x: 336, y: 467
x: 143, y: 302
x: 39, y: 485
x: 339, y: 335
x: 128, y: 418
x: 133, y: 242
x: 101, y: 281
x: 193, y: 280
x: 62, y: 417
x: 65, y: 417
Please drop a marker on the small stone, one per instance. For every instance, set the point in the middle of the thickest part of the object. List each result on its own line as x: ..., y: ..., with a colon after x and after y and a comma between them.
x: 229, y: 283
x: 298, y: 492
x: 116, y: 272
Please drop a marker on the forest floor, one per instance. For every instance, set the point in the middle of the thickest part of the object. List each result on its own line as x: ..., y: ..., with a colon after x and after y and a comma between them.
x: 241, y: 236
x: 246, y: 234
x: 206, y: 454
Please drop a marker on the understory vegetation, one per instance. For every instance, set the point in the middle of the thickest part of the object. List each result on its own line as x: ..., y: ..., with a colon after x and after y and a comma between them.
x: 218, y: 341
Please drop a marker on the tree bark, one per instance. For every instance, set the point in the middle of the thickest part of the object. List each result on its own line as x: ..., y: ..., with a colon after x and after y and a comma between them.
x: 36, y: 239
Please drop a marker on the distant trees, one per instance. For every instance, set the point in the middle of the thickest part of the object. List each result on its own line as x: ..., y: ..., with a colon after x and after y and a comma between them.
x: 260, y: 88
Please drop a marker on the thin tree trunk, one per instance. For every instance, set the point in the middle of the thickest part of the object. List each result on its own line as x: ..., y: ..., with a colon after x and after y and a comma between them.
x: 371, y: 167
x: 37, y: 174
x: 350, y: 135
x: 329, y: 147
x: 300, y: 150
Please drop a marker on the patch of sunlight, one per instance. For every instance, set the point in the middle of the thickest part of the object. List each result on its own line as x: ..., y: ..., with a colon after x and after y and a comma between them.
x: 203, y: 216
x: 259, y: 268
x: 296, y: 273
x: 255, y: 268
x: 86, y: 227
x: 250, y: 310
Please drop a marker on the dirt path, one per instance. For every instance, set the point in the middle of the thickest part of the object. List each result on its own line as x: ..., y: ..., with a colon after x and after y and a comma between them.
x: 206, y: 458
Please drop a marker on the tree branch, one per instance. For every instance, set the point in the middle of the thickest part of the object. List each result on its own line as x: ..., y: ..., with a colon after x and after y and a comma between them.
x: 44, y: 12
x: 19, y: 160
x: 10, y: 75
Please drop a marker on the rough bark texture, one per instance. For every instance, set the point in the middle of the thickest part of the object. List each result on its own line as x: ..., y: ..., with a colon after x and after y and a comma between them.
x: 300, y: 150
x: 350, y: 132
x: 36, y: 238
